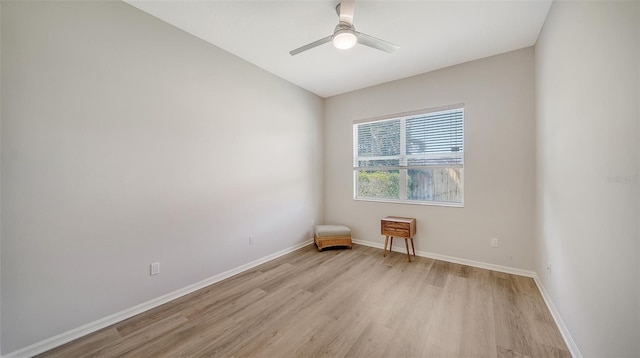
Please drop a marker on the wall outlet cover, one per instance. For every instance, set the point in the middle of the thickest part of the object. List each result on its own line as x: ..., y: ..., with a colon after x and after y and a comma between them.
x: 495, y: 242
x: 155, y: 268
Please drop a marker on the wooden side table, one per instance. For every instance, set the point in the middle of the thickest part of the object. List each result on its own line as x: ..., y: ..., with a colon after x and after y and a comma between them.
x: 393, y: 226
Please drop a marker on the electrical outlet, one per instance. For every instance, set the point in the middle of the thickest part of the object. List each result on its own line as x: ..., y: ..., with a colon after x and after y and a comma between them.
x: 252, y: 240
x: 495, y: 242
x: 155, y: 268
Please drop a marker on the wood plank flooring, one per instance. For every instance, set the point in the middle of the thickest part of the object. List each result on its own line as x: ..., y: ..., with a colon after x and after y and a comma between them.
x: 341, y: 303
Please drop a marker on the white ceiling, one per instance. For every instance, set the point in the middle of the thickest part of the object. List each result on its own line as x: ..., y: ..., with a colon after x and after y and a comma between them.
x: 431, y: 35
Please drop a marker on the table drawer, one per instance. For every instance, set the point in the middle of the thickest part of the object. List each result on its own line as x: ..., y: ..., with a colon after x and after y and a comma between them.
x: 393, y: 231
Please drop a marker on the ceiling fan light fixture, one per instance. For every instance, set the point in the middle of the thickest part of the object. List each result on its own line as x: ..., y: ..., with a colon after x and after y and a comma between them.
x: 344, y: 39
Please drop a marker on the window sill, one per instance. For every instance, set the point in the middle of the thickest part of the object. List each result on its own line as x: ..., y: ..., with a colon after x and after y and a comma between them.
x: 423, y: 203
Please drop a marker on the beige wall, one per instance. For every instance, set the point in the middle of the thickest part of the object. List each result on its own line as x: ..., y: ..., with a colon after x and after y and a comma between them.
x: 587, y: 87
x: 498, y: 93
x: 126, y: 141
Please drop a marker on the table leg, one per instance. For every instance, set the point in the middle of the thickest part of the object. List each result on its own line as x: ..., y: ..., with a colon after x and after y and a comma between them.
x: 413, y: 246
x: 391, y: 246
x: 406, y: 243
x: 386, y: 239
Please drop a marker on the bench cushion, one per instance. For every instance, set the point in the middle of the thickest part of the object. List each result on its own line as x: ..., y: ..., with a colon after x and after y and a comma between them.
x: 332, y: 230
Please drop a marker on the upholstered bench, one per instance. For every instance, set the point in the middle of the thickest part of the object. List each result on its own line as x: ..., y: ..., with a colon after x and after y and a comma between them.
x: 332, y: 235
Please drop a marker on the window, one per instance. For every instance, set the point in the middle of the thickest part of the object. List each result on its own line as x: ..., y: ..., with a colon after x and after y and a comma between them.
x: 411, y: 158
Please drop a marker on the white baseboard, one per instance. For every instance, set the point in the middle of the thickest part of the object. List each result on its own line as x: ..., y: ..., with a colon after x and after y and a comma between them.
x: 457, y: 260
x: 564, y: 331
x: 94, y: 326
x: 573, y: 348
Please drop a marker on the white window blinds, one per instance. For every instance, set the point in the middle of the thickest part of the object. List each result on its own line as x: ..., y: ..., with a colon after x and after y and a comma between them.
x: 431, y: 139
x: 435, y: 138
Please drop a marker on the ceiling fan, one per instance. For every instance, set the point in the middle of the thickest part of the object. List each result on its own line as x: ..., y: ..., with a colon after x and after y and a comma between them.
x: 345, y: 35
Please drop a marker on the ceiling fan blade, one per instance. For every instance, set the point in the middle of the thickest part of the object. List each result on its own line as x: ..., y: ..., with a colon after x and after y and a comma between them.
x: 311, y: 45
x: 347, y: 8
x: 376, y: 43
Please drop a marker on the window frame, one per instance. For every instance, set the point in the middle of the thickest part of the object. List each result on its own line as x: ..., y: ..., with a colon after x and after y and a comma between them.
x: 404, y: 168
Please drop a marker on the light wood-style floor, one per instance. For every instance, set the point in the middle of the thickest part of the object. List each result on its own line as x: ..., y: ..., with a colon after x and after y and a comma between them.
x: 340, y: 303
